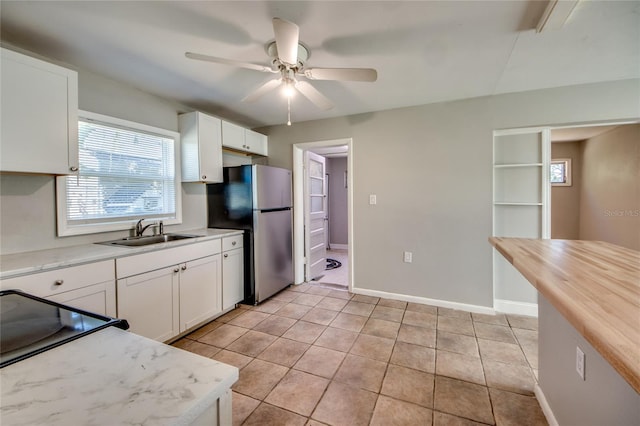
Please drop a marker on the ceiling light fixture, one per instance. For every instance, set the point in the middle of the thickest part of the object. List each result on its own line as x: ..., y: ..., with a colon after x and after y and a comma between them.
x: 556, y: 14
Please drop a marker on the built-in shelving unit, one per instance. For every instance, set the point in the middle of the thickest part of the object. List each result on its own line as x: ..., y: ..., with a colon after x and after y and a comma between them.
x: 520, y: 202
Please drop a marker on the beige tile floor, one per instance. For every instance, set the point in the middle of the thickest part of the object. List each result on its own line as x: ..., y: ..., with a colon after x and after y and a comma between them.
x: 313, y: 355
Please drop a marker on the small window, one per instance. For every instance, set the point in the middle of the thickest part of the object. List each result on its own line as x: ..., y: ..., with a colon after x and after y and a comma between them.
x: 561, y: 172
x: 127, y: 172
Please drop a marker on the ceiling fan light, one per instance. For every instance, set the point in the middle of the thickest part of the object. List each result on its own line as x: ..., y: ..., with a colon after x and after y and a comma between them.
x: 288, y: 89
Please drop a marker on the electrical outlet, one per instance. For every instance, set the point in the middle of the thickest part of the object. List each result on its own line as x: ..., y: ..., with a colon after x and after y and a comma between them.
x: 372, y: 199
x: 408, y: 257
x: 580, y: 362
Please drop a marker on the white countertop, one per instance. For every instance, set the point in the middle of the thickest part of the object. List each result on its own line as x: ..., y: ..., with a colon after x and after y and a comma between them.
x: 16, y: 264
x: 112, y: 377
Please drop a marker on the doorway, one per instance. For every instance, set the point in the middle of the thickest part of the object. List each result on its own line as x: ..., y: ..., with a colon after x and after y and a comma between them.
x: 522, y: 203
x: 340, y: 252
x: 594, y: 184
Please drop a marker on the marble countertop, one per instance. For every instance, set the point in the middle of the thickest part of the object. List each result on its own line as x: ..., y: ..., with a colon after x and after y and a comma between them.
x: 594, y: 285
x: 16, y: 264
x: 112, y: 377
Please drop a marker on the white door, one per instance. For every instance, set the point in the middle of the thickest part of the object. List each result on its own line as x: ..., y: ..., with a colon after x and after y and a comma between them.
x: 315, y: 214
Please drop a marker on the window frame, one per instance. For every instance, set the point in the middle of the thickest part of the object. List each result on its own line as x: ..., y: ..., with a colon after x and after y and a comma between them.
x: 66, y: 229
x: 567, y: 171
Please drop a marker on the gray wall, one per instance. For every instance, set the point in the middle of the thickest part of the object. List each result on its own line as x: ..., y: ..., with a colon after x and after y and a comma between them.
x: 28, y: 203
x: 338, y: 207
x: 610, y: 191
x: 430, y: 167
x: 603, y: 398
x: 565, y: 200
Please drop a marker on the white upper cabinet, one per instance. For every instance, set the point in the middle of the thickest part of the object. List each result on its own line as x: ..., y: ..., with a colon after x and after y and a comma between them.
x: 256, y: 142
x: 245, y: 140
x: 233, y: 136
x: 39, y: 116
x: 201, y: 142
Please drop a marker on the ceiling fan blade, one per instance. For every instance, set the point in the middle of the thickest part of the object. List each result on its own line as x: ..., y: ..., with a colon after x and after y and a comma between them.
x: 247, y: 65
x: 343, y: 74
x: 287, y: 35
x: 260, y: 91
x: 311, y: 93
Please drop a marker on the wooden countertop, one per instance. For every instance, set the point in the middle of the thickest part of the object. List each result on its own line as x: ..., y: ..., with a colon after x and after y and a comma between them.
x: 595, y: 285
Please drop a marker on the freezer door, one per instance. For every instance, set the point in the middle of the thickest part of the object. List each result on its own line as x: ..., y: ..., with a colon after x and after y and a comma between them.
x: 273, y: 252
x: 271, y: 187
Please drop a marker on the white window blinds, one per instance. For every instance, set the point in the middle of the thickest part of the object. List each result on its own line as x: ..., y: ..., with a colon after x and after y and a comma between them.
x: 125, y: 174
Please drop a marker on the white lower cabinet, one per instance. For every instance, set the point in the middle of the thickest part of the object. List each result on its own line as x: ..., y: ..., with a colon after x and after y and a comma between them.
x: 232, y: 271
x: 232, y: 278
x: 181, y: 291
x: 149, y: 303
x: 90, y: 287
x: 199, y: 291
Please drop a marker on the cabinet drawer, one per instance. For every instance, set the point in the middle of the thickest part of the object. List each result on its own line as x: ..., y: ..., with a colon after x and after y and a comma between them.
x: 141, y: 263
x: 230, y: 243
x: 49, y: 283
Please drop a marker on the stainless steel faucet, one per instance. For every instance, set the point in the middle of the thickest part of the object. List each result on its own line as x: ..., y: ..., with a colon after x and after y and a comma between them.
x: 139, y: 230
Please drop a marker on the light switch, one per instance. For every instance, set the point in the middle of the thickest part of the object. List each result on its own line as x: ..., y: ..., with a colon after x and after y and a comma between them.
x: 372, y: 199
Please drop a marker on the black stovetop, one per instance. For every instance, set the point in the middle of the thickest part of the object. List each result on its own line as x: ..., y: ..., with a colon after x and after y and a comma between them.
x: 30, y: 325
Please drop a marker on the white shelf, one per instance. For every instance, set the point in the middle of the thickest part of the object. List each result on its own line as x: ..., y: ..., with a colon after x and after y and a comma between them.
x: 505, y: 166
x: 506, y: 203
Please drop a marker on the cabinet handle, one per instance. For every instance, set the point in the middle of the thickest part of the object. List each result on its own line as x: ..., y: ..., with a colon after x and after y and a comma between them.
x: 226, y: 255
x: 233, y: 243
x: 183, y: 267
x: 73, y: 168
x: 58, y: 282
x: 176, y: 270
x: 248, y: 147
x: 204, y: 177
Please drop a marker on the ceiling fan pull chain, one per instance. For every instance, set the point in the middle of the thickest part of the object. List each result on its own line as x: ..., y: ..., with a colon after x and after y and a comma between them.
x: 288, y: 111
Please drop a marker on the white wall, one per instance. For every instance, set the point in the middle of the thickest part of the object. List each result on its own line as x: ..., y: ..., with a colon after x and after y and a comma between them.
x: 430, y: 167
x: 27, y: 202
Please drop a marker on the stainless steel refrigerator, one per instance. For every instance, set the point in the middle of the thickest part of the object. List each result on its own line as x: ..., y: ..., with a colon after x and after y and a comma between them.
x: 258, y: 200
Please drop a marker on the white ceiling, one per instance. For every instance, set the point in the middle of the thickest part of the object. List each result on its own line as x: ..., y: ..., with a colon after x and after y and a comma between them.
x: 424, y: 51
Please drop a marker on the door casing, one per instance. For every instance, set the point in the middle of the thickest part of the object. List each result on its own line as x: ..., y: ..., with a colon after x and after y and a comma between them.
x: 298, y: 203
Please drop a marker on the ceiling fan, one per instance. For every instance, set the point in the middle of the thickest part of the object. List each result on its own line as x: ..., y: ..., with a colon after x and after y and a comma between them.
x: 288, y: 58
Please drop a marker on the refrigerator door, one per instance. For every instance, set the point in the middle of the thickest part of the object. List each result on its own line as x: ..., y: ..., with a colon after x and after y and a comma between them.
x: 271, y: 187
x: 273, y: 252
x: 230, y: 203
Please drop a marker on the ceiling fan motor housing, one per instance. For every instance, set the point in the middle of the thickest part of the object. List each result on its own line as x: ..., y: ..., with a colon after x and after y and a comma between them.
x: 272, y: 51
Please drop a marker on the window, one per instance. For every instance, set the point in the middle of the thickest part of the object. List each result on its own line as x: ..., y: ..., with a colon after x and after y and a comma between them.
x: 560, y: 172
x: 127, y: 172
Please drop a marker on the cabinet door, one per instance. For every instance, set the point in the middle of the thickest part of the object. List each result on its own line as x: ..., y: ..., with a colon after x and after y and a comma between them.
x: 39, y: 116
x: 210, y: 148
x: 201, y: 146
x: 232, y: 278
x: 233, y: 136
x: 256, y: 142
x: 199, y: 291
x: 149, y: 302
x: 97, y: 298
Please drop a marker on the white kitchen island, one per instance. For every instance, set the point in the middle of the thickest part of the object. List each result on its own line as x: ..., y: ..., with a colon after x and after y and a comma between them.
x: 113, y: 377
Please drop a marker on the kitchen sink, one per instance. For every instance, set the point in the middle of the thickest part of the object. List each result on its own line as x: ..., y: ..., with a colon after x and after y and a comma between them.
x: 147, y: 240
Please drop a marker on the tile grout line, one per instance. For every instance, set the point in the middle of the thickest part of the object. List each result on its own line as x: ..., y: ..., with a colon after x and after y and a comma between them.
x: 346, y: 353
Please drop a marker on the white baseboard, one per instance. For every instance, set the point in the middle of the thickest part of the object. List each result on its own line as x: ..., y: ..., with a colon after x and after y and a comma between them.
x: 339, y: 246
x: 546, y: 408
x: 519, y: 308
x: 425, y: 301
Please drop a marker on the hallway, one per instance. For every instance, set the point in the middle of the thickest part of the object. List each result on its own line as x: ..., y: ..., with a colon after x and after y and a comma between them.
x: 339, y: 276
